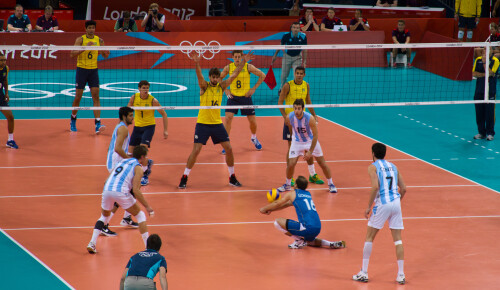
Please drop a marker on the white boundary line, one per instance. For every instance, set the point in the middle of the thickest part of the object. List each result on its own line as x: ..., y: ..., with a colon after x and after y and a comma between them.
x: 36, y: 259
x: 228, y: 191
x: 456, y: 174
x: 250, y: 223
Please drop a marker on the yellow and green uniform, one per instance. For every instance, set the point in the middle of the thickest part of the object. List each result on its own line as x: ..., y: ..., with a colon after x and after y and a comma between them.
x: 88, y: 58
x: 241, y: 84
x: 144, y: 118
x: 211, y: 97
x: 295, y: 92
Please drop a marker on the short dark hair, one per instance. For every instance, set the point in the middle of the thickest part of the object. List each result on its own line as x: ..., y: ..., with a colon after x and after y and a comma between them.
x: 379, y: 150
x: 295, y: 23
x: 301, y: 182
x: 124, y: 111
x: 154, y: 242
x: 19, y: 5
x: 359, y: 11
x: 214, y: 72
x: 331, y: 8
x: 237, y: 51
x: 299, y: 102
x: 1, y: 54
x: 90, y: 22
x: 144, y: 83
x: 300, y: 68
x: 309, y: 8
x: 401, y: 21
x: 139, y: 151
x: 126, y: 14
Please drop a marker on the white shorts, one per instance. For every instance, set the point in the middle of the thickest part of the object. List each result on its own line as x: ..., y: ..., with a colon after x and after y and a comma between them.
x: 299, y: 148
x: 125, y: 200
x: 390, y: 211
x: 115, y: 158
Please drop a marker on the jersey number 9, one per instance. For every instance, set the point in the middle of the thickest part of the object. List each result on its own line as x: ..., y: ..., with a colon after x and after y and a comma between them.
x: 118, y: 170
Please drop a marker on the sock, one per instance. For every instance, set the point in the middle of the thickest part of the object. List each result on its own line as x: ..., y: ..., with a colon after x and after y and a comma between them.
x: 401, y: 264
x: 95, y: 235
x: 254, y: 136
x: 186, y: 171
x: 110, y: 216
x: 296, y: 237
x: 126, y: 214
x: 11, y: 137
x: 325, y: 243
x: 312, y: 171
x: 330, y: 181
x: 73, y: 116
x: 289, y: 182
x: 231, y: 170
x: 367, y: 251
x: 145, y: 238
x: 98, y: 119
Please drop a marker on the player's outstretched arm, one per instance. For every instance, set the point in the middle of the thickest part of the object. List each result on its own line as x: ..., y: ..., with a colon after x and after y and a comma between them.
x: 252, y: 69
x: 284, y: 92
x: 6, y: 85
x: 78, y: 42
x: 136, y: 185
x: 223, y: 74
x: 279, y: 204
x: 202, y: 83
x: 163, y: 114
x: 104, y: 53
x: 402, y: 185
x: 372, y: 172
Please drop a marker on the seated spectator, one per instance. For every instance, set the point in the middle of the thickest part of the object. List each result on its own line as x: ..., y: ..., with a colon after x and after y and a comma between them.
x: 387, y: 3
x: 47, y: 22
x: 125, y: 24
x: 329, y: 21
x: 19, y: 21
x: 308, y: 22
x: 295, y: 7
x: 401, y: 35
x: 358, y: 23
x: 154, y: 21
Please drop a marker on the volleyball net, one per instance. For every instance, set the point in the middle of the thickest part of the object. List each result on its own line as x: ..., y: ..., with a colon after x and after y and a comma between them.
x: 357, y: 75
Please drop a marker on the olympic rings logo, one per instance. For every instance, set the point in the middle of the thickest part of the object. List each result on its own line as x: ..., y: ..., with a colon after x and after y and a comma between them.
x: 201, y: 47
x: 118, y: 87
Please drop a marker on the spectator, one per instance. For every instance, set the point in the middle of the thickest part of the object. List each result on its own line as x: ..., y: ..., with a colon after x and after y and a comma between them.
x: 308, y: 22
x: 496, y: 9
x: 387, y: 3
x: 154, y: 21
x: 295, y: 8
x: 401, y: 35
x: 47, y: 22
x: 45, y: 3
x: 329, y: 21
x: 125, y: 24
x: 485, y: 112
x: 19, y: 21
x: 143, y: 267
x: 358, y: 23
x: 467, y: 13
x: 493, y: 37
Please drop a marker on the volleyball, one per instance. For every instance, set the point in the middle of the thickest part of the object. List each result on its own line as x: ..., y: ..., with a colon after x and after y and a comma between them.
x: 273, y: 195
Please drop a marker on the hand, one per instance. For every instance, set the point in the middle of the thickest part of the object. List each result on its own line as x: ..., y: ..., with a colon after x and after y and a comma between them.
x: 367, y: 212
x: 308, y: 155
x: 263, y: 211
x: 249, y: 93
x: 7, y: 97
x: 304, y: 64
x: 90, y: 43
x: 272, y: 61
x: 287, y: 122
x: 150, y: 211
x: 228, y: 94
x: 165, y: 134
x: 150, y: 12
x: 194, y: 55
x: 403, y: 49
x: 456, y: 17
x: 249, y: 56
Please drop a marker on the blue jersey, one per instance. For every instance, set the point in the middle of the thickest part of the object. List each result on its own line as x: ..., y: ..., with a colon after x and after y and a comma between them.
x: 306, y: 210
x: 146, y: 264
x: 111, y: 149
x: 388, y: 182
x: 289, y: 39
x: 120, y: 179
x: 301, y: 130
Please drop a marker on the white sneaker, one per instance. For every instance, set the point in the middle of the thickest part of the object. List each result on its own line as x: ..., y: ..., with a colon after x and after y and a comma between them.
x: 284, y: 187
x: 332, y: 188
x: 489, y: 138
x: 478, y: 136
x: 337, y: 245
x: 401, y: 279
x: 361, y: 277
x: 91, y: 248
x: 298, y: 244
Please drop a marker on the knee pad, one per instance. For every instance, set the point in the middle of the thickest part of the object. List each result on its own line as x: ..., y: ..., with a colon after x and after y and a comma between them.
x: 278, y: 227
x: 398, y: 242
x: 141, y: 217
x: 469, y: 34
x: 460, y: 34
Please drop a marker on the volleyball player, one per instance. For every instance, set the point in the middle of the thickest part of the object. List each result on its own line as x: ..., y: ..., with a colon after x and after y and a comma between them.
x: 291, y: 91
x: 308, y: 227
x: 4, y: 100
x: 304, y: 143
x: 385, y: 179
x: 240, y: 93
x: 209, y: 123
x: 86, y: 72
x: 145, y: 124
x: 125, y: 177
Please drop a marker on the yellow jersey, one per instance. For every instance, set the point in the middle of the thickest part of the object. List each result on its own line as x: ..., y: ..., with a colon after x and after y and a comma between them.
x: 144, y: 118
x: 211, y: 97
x: 295, y: 92
x: 241, y: 84
x: 88, y: 58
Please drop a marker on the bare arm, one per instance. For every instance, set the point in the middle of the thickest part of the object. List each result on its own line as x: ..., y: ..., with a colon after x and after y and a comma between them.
x: 10, y: 27
x: 29, y: 27
x: 131, y: 101
x: 224, y: 84
x: 315, y: 26
x: 163, y: 278
x: 372, y: 172
x: 6, y: 86
x: 104, y: 53
x: 353, y: 27
x: 202, y: 83
x: 223, y: 74
x: 323, y: 27
x: 122, y: 280
x: 38, y: 27
x: 407, y: 40
x: 279, y: 204
x: 308, y: 101
x: 159, y: 23
x: 78, y: 42
x: 164, y: 116
x: 314, y: 129
x: 260, y: 74
x: 304, y: 57
x: 497, y: 4
x: 284, y: 92
x: 402, y: 185
x: 395, y: 3
x: 121, y: 135
x: 274, y: 56
x: 136, y: 183
x: 145, y: 20
x: 395, y: 40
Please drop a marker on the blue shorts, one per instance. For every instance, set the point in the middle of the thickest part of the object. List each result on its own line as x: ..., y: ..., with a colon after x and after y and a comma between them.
x: 309, y: 234
x: 84, y: 76
x: 142, y: 135
x: 466, y: 22
x: 215, y: 131
x: 240, y: 101
x: 286, y: 133
x: 3, y: 103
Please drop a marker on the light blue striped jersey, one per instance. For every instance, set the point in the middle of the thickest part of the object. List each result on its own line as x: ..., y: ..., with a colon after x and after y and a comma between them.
x: 388, y: 182
x: 120, y: 179
x: 301, y: 130
x: 111, y: 149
